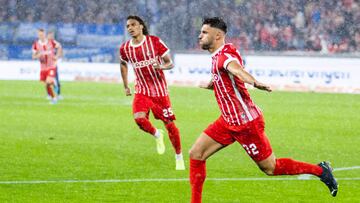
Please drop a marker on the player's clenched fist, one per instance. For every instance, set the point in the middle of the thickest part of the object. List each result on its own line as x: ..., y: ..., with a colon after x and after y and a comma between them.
x: 127, y: 91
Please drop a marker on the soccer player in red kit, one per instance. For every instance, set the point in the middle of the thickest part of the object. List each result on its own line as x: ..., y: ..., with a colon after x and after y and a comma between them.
x: 57, y: 86
x: 44, y: 50
x: 149, y: 56
x: 241, y: 120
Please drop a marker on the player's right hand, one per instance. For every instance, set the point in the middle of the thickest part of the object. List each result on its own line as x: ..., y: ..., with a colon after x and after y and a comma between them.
x: 127, y: 91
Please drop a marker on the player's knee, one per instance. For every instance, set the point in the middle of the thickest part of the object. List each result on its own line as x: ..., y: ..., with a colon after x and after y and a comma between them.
x: 171, y: 127
x: 139, y: 121
x: 196, y: 154
x: 49, y: 80
x: 139, y: 115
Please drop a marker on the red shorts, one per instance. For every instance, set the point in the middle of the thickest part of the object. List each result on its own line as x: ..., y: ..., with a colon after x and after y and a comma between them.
x: 160, y: 106
x: 250, y: 135
x: 51, y: 72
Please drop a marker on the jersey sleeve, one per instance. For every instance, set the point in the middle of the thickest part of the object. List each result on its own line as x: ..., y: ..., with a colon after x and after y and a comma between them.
x: 34, y: 48
x: 161, y: 47
x: 229, y: 57
x: 122, y: 54
x: 55, y: 44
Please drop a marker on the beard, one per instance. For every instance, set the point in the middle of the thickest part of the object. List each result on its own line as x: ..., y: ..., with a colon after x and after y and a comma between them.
x: 205, y: 47
x: 206, y: 44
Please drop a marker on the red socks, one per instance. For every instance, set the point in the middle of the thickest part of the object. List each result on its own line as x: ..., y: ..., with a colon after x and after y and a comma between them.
x: 174, y: 136
x: 50, y: 90
x: 285, y: 166
x: 173, y: 131
x: 145, y: 125
x: 197, y: 178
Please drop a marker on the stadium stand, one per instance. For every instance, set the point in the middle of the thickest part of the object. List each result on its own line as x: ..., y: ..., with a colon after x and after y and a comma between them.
x: 92, y: 31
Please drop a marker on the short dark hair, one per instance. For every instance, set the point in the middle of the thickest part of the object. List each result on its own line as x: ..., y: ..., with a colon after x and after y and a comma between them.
x: 137, y: 18
x: 41, y: 30
x: 216, y: 22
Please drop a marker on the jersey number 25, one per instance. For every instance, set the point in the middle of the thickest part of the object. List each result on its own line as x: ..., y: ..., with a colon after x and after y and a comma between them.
x: 167, y: 112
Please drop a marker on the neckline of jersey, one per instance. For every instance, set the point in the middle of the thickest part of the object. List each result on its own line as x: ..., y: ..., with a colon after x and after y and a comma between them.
x: 42, y: 43
x: 217, y: 50
x: 137, y: 45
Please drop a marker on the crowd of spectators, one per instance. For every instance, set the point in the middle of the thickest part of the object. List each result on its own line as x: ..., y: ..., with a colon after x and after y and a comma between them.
x: 326, y: 26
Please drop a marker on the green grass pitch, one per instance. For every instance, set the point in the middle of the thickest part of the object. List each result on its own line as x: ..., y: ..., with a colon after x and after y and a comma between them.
x: 90, y: 135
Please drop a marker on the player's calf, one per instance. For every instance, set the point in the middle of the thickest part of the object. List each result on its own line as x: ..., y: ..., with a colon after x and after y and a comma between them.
x: 145, y: 125
x: 268, y: 171
x: 50, y: 91
x: 174, y: 136
x: 268, y: 165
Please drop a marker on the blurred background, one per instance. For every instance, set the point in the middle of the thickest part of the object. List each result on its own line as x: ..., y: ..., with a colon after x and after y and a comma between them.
x: 87, y: 147
x: 92, y: 31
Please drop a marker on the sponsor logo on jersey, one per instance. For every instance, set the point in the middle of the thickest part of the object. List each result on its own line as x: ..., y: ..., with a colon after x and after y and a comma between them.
x: 144, y: 63
x: 148, y: 54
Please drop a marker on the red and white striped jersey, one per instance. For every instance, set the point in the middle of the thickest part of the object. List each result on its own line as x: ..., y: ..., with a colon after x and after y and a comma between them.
x: 48, y: 52
x: 234, y: 100
x: 149, y: 81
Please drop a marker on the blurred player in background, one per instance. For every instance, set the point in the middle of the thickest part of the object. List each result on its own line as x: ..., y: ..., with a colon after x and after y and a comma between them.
x: 241, y: 120
x: 149, y: 56
x: 47, y: 52
x: 57, y: 85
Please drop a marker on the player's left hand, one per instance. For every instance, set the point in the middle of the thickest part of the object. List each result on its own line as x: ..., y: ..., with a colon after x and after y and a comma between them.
x: 262, y: 86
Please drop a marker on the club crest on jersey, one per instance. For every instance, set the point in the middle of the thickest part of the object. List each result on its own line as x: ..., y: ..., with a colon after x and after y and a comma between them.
x: 215, y: 77
x: 144, y: 63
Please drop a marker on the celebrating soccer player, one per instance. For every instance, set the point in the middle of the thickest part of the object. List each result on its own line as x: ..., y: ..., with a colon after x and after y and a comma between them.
x: 44, y: 50
x: 241, y: 120
x: 149, y: 56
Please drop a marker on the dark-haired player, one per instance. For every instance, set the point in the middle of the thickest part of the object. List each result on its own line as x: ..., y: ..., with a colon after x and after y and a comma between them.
x: 149, y: 56
x: 47, y: 52
x: 241, y: 120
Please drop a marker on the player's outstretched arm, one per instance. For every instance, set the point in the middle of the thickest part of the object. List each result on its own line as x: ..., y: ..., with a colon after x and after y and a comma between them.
x: 167, y: 65
x: 236, y: 69
x: 124, y: 76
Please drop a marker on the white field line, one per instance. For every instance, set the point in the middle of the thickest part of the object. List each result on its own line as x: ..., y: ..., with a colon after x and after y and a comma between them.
x: 67, y: 103
x: 347, y: 168
x: 69, y: 100
x: 158, y: 180
x: 302, y: 177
